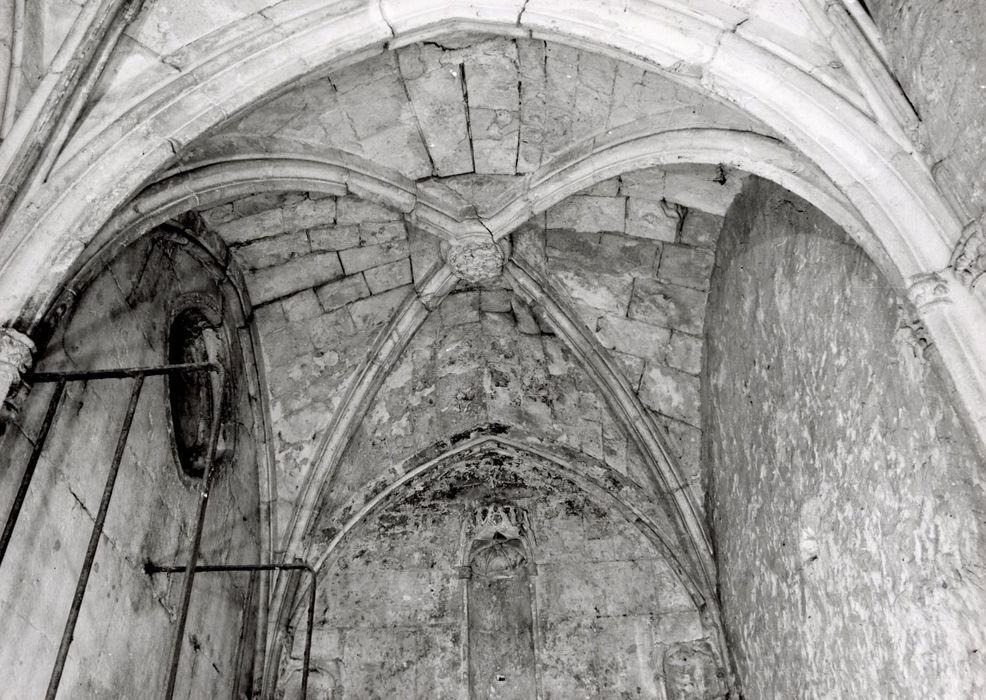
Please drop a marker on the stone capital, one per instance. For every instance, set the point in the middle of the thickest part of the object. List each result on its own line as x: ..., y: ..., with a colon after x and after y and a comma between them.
x: 16, y: 351
x: 928, y: 290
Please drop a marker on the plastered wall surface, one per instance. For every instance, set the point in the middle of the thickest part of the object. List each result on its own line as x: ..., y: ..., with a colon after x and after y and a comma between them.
x: 846, y: 499
x: 125, y: 632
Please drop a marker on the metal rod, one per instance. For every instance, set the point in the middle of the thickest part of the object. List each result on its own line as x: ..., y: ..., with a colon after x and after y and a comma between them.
x: 15, y: 509
x: 122, y: 373
x: 306, y: 663
x: 186, y: 594
x: 97, y: 532
x: 151, y: 569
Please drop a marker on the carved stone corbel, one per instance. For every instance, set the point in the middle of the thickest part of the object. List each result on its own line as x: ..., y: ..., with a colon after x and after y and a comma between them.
x: 969, y: 258
x: 914, y: 332
x: 16, y: 351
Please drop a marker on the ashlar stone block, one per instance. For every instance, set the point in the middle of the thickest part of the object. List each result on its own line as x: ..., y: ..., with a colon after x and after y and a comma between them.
x: 437, y: 96
x: 380, y: 279
x: 686, y: 266
x: 379, y: 308
x: 672, y: 393
x: 582, y: 213
x: 650, y: 218
x: 359, y: 259
x: 294, y: 275
x: 668, y: 305
x: 341, y: 292
x: 333, y: 237
x: 685, y: 352
x: 606, y: 292
x: 700, y: 229
x: 268, y: 252
x: 354, y: 210
x: 633, y: 337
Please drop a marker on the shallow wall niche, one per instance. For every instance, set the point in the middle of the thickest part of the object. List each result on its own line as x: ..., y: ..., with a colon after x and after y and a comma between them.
x: 161, y: 298
x: 847, y: 497
x: 398, y: 616
x: 499, y: 602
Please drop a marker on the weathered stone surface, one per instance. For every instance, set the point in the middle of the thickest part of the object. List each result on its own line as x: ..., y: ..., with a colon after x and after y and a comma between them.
x: 300, y: 306
x: 708, y: 188
x: 668, y: 305
x: 531, y: 60
x: 425, y: 253
x: 333, y: 237
x: 936, y: 55
x: 494, y: 105
x: 120, y: 319
x: 459, y: 308
x: 671, y: 393
x: 392, y: 610
x: 354, y: 210
x: 395, y: 274
x: 436, y: 93
x: 341, y: 292
x: 685, y: 352
x: 376, y: 233
x: 606, y: 292
x: 634, y: 337
x: 593, y: 214
x: 700, y: 229
x: 294, y: 275
x: 686, y: 266
x: 848, y: 496
x: 359, y: 259
x: 379, y: 308
x: 495, y: 300
x: 293, y: 215
x: 16, y: 350
x: 526, y: 323
x: 268, y: 252
x: 475, y: 259
x: 651, y: 218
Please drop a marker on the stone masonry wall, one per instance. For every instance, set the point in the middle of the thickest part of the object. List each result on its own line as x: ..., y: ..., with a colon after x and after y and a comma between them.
x: 847, y: 499
x: 936, y: 52
x: 633, y: 255
x: 125, y: 631
x: 480, y: 358
x: 390, y: 617
x: 473, y: 104
x: 325, y: 274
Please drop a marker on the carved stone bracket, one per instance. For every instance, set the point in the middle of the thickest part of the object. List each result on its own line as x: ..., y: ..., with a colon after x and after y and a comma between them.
x: 914, y: 332
x: 969, y: 258
x: 16, y: 351
x: 498, y: 533
x: 507, y: 521
x: 476, y: 258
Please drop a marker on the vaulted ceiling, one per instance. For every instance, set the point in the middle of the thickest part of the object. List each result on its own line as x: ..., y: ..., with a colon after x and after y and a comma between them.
x: 499, y: 222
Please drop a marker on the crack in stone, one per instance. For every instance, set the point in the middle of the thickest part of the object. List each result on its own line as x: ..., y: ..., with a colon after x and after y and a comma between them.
x: 383, y: 16
x: 523, y: 9
x: 465, y: 98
